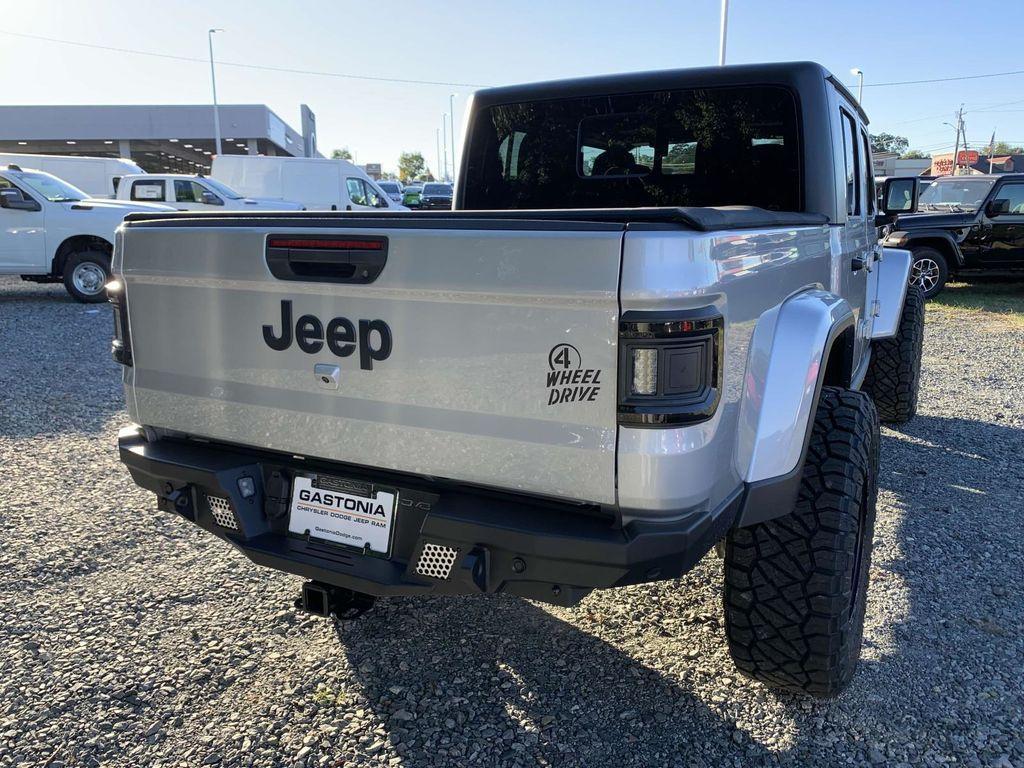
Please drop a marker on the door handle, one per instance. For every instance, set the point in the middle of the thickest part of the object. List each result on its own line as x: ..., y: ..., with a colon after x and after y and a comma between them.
x: 337, y: 259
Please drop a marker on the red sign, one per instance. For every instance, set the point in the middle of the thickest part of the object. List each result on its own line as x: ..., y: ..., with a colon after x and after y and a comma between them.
x: 943, y: 164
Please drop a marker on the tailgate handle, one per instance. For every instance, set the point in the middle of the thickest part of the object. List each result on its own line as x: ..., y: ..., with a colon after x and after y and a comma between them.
x: 317, y: 259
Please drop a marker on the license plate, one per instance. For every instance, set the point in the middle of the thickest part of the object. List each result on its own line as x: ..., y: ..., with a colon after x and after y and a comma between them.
x: 353, y: 514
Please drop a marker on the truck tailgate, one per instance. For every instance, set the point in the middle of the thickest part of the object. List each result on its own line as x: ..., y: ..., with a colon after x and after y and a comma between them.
x: 503, y: 345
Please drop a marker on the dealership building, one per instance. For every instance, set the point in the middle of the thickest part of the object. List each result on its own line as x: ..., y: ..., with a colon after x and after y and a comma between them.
x: 169, y: 138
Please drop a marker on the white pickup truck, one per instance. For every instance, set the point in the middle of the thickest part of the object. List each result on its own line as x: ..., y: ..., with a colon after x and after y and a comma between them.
x: 51, y: 231
x: 190, y: 192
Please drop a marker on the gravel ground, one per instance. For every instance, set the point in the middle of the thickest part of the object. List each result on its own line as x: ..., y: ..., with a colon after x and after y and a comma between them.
x: 128, y: 638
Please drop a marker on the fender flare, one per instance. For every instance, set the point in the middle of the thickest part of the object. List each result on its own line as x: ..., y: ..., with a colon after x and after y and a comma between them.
x: 908, y: 238
x: 789, y: 356
x: 892, y: 280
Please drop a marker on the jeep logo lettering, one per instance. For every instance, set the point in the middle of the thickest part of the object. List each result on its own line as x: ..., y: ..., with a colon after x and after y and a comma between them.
x: 340, y: 336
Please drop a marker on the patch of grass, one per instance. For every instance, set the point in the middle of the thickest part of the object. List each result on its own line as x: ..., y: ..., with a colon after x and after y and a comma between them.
x: 1003, y: 297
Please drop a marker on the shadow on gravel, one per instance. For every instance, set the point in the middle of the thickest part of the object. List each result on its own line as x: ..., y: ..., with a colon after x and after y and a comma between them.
x: 541, y: 687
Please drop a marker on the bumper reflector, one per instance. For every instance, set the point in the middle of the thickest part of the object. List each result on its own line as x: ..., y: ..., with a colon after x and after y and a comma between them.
x: 222, y: 513
x: 436, y: 561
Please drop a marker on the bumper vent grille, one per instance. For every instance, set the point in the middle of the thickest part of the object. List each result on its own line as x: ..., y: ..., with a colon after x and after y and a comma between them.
x: 436, y: 561
x: 221, y: 509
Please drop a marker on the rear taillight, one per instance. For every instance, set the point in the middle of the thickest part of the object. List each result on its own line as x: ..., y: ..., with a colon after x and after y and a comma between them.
x: 670, y: 367
x: 121, y: 346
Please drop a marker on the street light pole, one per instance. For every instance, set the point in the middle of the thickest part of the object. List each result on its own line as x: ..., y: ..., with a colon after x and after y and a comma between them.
x: 444, y: 135
x: 860, y: 86
x: 451, y: 112
x: 213, y: 82
x: 437, y: 133
x: 722, y: 33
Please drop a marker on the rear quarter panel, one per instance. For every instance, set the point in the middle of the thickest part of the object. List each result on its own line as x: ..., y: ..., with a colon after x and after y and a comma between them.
x: 745, y: 275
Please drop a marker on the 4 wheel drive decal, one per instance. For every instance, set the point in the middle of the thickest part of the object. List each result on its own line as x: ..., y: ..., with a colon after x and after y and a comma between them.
x: 340, y: 336
x: 567, y: 380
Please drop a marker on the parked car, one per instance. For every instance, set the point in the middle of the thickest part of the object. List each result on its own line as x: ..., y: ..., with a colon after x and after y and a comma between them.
x: 411, y: 195
x: 319, y: 184
x: 436, y: 195
x: 392, y: 189
x: 51, y: 231
x: 189, y: 192
x: 542, y: 402
x: 958, y: 225
x: 98, y: 177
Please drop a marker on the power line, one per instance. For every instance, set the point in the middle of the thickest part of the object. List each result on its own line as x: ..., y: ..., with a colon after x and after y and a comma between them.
x: 240, y: 65
x: 945, y: 79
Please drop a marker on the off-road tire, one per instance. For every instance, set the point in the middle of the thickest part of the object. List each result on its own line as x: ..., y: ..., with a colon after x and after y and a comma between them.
x: 920, y: 256
x: 93, y: 262
x: 796, y: 586
x: 894, y: 373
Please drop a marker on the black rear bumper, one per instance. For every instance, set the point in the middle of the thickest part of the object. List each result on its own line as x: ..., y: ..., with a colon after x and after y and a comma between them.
x: 506, y: 542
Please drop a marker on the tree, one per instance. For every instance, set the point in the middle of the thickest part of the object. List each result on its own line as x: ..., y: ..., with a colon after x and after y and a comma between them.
x: 914, y: 154
x: 341, y: 154
x: 887, y: 142
x: 411, y: 165
x: 1002, y: 148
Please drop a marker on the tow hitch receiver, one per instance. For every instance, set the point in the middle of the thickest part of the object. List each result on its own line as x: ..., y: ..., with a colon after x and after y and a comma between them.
x: 326, y: 600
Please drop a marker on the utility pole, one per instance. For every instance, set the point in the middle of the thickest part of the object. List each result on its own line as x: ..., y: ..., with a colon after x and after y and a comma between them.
x: 451, y: 111
x: 213, y: 81
x: 722, y: 33
x: 991, y: 150
x: 437, y: 133
x: 444, y: 133
x: 956, y: 144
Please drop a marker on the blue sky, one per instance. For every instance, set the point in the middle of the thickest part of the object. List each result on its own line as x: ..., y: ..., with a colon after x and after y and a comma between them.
x: 489, y: 43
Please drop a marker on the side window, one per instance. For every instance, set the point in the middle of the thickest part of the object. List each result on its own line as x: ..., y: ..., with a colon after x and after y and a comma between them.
x: 148, y: 190
x: 868, y: 172
x: 1009, y: 199
x: 850, y: 160
x: 356, y: 191
x: 375, y: 198
x: 184, y: 192
x: 187, y: 191
x: 117, y: 183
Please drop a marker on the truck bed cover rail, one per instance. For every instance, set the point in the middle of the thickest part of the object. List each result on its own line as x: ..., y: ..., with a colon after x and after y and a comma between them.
x: 700, y: 219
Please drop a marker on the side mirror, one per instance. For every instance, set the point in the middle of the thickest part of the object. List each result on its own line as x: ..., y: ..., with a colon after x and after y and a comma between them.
x: 997, y: 207
x: 12, y: 199
x: 211, y: 199
x: 899, y: 196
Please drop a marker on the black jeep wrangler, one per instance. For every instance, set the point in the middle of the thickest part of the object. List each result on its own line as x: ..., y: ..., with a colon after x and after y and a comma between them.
x: 957, y: 225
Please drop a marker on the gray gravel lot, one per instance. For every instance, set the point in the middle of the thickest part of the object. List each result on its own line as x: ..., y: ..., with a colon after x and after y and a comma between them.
x: 128, y: 638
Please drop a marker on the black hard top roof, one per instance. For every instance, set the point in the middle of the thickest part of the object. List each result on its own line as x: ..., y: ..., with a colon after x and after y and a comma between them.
x: 794, y: 74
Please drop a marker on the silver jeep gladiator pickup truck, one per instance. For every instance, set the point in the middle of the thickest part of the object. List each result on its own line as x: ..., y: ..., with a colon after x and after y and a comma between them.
x: 657, y: 319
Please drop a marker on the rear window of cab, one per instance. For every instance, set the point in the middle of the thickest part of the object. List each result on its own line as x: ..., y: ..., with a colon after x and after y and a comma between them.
x: 688, y: 147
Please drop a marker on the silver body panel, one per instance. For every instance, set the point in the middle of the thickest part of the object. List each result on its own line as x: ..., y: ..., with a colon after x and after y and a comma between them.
x: 474, y: 315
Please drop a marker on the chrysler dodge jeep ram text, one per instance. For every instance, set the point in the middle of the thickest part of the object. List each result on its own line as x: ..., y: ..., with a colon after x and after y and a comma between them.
x: 657, y: 319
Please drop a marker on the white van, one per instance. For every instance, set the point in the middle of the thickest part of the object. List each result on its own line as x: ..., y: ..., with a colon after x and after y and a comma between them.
x: 98, y: 177
x: 191, y: 192
x: 320, y: 184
